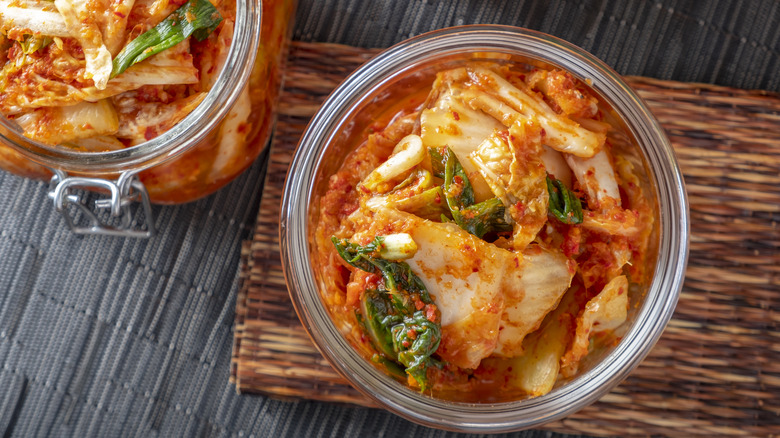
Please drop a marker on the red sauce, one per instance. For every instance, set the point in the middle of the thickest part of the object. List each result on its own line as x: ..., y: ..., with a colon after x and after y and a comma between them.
x: 589, y: 253
x: 193, y: 174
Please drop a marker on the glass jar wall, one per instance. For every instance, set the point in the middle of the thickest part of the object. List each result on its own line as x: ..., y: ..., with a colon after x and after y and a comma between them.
x: 212, y: 145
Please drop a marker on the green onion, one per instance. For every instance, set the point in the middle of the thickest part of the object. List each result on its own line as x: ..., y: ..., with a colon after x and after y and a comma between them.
x: 564, y: 204
x: 400, y: 332
x: 446, y: 166
x: 374, y: 307
x: 478, y: 219
x: 398, y: 276
x: 485, y: 217
x: 396, y: 247
x: 415, y: 339
x: 196, y: 17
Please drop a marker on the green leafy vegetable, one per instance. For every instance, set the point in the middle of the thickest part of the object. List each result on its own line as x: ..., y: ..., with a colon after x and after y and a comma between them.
x: 400, y: 332
x: 390, y: 365
x: 480, y: 219
x: 429, y: 204
x: 564, y: 204
x: 398, y: 276
x: 32, y: 43
x: 415, y: 339
x: 196, y: 17
x: 457, y: 186
x: 421, y: 179
x: 437, y: 161
x: 374, y: 307
x: 477, y: 219
x: 356, y: 255
x: 399, y: 337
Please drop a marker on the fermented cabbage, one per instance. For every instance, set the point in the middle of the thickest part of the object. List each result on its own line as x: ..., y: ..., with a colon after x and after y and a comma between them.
x: 526, y: 226
x: 96, y: 76
x: 65, y: 87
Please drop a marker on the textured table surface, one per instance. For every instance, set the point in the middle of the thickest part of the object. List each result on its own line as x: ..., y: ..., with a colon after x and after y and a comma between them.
x: 102, y: 336
x: 714, y: 370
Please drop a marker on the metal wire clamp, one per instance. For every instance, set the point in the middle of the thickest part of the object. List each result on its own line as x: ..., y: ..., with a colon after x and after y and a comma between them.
x: 113, y: 209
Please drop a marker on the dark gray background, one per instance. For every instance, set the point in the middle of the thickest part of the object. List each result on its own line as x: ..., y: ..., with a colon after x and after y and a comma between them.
x: 103, y: 336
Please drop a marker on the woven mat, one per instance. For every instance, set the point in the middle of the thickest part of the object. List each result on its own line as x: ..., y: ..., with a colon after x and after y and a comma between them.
x: 716, y: 369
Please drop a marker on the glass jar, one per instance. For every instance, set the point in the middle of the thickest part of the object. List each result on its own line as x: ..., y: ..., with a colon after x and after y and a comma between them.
x: 370, y: 93
x: 190, y: 160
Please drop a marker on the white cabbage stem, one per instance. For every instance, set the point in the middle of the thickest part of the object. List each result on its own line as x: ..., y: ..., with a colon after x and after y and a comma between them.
x: 408, y: 153
x: 556, y: 165
x: 597, y: 176
x: 77, y: 14
x: 606, y: 311
x: 399, y: 246
x: 507, y: 102
x: 55, y: 125
x: 39, y: 17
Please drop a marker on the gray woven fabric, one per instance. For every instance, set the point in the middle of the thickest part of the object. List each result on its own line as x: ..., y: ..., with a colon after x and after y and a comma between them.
x: 103, y: 336
x: 735, y: 43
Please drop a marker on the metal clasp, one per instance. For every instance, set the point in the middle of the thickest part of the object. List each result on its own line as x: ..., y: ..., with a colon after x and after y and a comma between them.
x: 99, y: 206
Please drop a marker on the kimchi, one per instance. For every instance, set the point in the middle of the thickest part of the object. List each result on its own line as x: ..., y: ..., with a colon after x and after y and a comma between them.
x: 98, y: 75
x: 480, y: 244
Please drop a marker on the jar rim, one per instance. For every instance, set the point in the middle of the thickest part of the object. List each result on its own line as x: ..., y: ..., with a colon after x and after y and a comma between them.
x: 182, y: 136
x: 663, y: 290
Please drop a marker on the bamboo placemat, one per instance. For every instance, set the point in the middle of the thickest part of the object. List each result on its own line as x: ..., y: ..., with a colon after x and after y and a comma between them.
x: 716, y: 369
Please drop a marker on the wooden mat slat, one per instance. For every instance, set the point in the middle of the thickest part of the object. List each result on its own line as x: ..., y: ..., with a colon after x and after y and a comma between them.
x: 716, y: 370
